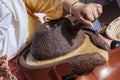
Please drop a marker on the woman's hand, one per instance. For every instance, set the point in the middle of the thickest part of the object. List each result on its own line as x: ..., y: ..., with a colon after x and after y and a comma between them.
x: 4, y: 69
x: 86, y: 13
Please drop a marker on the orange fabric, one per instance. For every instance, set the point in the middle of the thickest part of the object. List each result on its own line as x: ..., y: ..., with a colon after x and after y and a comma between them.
x: 52, y: 8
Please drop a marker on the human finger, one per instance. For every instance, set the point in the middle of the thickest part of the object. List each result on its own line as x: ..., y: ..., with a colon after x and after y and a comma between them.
x: 99, y: 9
x: 87, y: 12
x: 89, y: 16
x: 86, y: 22
x: 95, y: 14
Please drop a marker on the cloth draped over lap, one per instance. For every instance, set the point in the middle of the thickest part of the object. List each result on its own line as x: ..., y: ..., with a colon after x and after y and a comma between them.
x: 52, y: 8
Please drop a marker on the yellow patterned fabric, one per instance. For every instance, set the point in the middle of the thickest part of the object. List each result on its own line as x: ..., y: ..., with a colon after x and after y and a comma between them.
x: 52, y: 8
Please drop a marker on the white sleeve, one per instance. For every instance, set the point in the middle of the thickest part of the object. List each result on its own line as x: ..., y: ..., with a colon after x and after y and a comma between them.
x: 5, y: 19
x: 3, y: 42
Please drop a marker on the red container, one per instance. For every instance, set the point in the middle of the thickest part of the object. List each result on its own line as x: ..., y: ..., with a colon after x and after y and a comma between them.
x: 56, y: 72
x: 109, y: 71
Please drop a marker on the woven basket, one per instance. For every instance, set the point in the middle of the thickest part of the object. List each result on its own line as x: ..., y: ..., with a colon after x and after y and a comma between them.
x: 113, y: 30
